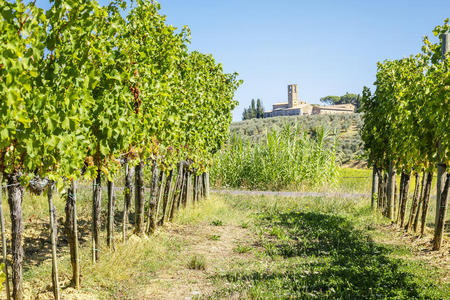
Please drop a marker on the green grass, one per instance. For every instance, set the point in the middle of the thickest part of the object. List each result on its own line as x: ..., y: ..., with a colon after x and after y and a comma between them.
x: 354, y: 180
x: 242, y: 249
x: 311, y: 249
x: 214, y: 237
x: 217, y: 223
x: 350, y: 172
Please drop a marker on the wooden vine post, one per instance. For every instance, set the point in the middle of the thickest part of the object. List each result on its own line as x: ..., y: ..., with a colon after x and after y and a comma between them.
x: 166, y: 195
x: 374, y: 186
x: 182, y: 200
x: 194, y: 189
x: 53, y: 235
x: 4, y: 250
x: 426, y: 201
x: 188, y: 187
x: 404, y: 197
x: 77, y: 271
x: 15, y: 196
x: 202, y: 183
x: 396, y: 198
x: 419, y: 205
x: 442, y: 188
x: 96, y: 213
x: 110, y: 225
x: 161, y: 189
x: 380, y: 188
x: 139, y: 200
x: 153, y: 201
x: 176, y: 195
x: 206, y: 185
x: 440, y: 180
x: 415, y: 200
x: 390, y: 192
x: 439, y: 232
x: 200, y: 193
x: 128, y: 193
x: 200, y: 189
x: 71, y: 229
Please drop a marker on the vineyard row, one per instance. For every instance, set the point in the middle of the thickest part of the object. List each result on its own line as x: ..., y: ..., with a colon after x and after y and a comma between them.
x: 86, y: 90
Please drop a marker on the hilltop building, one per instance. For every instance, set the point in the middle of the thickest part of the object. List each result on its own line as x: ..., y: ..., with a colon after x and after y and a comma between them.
x: 334, y: 109
x: 295, y: 107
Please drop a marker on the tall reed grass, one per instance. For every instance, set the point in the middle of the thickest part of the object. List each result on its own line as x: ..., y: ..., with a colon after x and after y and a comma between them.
x: 287, y: 159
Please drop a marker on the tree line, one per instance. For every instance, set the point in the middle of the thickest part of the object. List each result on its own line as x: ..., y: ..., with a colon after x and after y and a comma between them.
x: 406, y: 132
x: 348, y: 98
x: 87, y: 92
x: 253, y: 111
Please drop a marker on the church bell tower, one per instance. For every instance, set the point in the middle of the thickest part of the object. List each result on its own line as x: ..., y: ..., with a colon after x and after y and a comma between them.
x: 292, y: 95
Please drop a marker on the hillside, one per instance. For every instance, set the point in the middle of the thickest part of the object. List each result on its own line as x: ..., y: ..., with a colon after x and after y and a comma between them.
x: 346, y: 126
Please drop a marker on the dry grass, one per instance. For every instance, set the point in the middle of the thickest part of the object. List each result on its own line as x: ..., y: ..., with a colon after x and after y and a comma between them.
x: 186, y: 277
x: 417, y: 247
x: 122, y: 273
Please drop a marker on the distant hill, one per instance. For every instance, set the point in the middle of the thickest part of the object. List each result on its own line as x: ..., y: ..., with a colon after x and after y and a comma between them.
x: 345, y: 125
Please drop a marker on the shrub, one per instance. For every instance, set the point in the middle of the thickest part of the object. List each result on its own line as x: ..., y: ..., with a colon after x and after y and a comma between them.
x: 256, y: 130
x: 286, y: 159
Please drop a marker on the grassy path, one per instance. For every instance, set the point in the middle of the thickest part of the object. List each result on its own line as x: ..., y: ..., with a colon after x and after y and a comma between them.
x: 321, y: 248
x: 278, y: 248
x: 209, y: 249
x: 257, y: 247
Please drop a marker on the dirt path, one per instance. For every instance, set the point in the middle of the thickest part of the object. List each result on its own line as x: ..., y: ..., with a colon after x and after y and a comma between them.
x: 267, y: 193
x: 180, y: 282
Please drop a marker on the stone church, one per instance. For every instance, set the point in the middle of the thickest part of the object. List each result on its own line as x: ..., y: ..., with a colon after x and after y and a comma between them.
x: 295, y: 107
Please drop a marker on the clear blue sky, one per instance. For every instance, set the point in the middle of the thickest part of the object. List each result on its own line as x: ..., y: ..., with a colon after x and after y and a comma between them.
x: 327, y: 47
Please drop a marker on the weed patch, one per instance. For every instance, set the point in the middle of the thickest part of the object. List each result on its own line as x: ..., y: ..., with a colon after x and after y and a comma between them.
x: 197, y: 262
x: 217, y: 223
x: 214, y: 237
x: 242, y: 249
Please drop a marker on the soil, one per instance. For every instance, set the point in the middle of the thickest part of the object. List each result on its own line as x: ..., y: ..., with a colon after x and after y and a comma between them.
x: 181, y: 282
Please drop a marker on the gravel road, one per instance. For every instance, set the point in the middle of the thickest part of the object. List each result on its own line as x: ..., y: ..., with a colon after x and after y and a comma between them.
x: 291, y: 194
